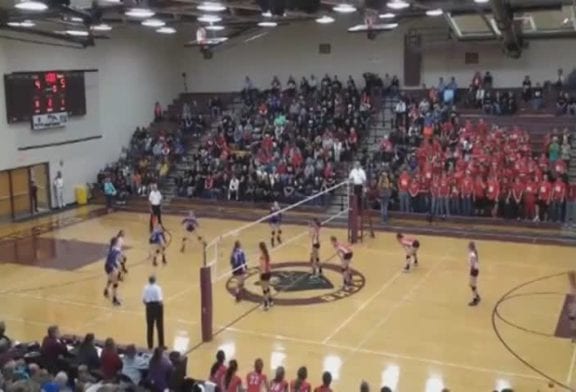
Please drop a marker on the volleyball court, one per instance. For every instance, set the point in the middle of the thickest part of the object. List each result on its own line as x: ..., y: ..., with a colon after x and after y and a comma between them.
x: 334, y: 207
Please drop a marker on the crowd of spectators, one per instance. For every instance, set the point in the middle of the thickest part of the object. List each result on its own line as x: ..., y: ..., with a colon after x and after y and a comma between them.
x: 284, y: 144
x: 147, y: 160
x: 62, y: 364
x: 471, y: 169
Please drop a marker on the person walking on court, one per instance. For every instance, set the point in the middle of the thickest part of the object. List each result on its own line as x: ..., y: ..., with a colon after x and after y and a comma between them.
x: 155, y: 200
x: 152, y: 299
x: 59, y: 190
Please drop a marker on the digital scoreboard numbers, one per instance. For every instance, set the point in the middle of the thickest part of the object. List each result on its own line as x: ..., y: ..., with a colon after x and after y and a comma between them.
x: 50, y: 93
x: 33, y: 94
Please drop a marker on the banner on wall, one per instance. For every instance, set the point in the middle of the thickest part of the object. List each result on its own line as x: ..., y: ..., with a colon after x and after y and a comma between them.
x: 49, y: 121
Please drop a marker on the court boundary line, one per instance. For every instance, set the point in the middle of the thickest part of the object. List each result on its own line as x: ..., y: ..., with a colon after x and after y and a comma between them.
x: 571, y: 368
x: 382, y: 353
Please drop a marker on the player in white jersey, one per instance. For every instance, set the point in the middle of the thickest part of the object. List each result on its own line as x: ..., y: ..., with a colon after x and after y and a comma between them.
x: 344, y: 252
x: 315, y: 226
x: 474, y: 272
x: 411, y: 246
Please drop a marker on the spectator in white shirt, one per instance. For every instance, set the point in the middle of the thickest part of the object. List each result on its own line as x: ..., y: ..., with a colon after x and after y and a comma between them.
x: 400, y: 111
x: 59, y: 190
x: 337, y: 150
x: 233, y: 188
x: 133, y: 364
x: 155, y: 200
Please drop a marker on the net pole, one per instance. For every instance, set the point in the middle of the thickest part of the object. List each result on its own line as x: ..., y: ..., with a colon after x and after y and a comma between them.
x: 206, y: 299
x: 353, y: 218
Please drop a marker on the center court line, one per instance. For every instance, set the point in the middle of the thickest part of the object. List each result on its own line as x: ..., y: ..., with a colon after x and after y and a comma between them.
x: 571, y: 368
x: 383, y: 354
x: 403, y: 300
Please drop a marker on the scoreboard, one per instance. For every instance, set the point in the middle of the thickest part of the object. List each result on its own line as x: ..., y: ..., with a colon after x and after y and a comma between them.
x: 37, y: 93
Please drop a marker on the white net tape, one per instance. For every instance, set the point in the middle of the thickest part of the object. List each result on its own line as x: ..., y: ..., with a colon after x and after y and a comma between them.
x: 218, y: 250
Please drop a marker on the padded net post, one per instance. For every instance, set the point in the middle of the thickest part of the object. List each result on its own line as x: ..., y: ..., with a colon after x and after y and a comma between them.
x: 206, y: 298
x: 353, y: 219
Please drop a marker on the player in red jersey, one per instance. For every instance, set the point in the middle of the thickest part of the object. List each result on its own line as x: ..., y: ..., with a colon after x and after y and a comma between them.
x: 231, y: 382
x: 410, y: 246
x: 279, y: 384
x: 315, y: 252
x: 256, y: 381
x: 474, y: 272
x: 345, y: 254
x: 326, y: 381
x: 265, y: 275
x: 218, y: 369
x: 300, y: 384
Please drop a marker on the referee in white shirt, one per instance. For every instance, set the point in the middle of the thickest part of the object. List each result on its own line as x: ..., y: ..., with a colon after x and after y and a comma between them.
x: 357, y: 177
x: 155, y: 200
x: 152, y: 299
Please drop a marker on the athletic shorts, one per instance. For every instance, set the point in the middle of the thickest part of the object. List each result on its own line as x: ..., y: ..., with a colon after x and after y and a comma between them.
x: 348, y: 256
x: 316, y: 246
x: 238, y: 272
x: 474, y: 273
x: 265, y: 277
x: 190, y: 229
x: 109, y: 269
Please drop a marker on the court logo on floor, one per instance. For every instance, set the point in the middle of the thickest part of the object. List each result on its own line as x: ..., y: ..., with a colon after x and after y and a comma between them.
x: 294, y: 284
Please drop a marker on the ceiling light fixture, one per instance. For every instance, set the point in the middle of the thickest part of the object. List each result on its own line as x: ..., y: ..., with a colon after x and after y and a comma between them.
x: 25, y: 23
x: 166, y: 30
x: 436, y: 12
x: 210, y: 6
x: 344, y: 8
x: 397, y: 4
x: 481, y: 1
x: 209, y: 19
x: 387, y: 15
x: 77, y: 33
x: 214, y: 27
x: 153, y: 23
x: 76, y: 19
x: 267, y: 14
x: 267, y: 24
x: 325, y: 20
x: 101, y: 27
x: 139, y: 13
x: 31, y: 5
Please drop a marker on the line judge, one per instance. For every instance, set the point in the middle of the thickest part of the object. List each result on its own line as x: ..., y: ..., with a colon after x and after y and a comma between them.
x: 155, y: 200
x: 152, y: 298
x: 357, y: 177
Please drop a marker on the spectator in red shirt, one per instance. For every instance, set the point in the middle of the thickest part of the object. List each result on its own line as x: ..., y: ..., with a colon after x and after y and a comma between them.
x: 414, y: 191
x: 467, y: 194
x: 570, y: 216
x: 544, y: 199
x: 403, y: 186
x: 492, y: 195
x: 441, y: 196
x: 530, y: 193
x: 454, y: 195
x: 515, y: 199
x: 558, y: 200
x: 110, y: 362
x: 53, y: 349
x: 479, y: 195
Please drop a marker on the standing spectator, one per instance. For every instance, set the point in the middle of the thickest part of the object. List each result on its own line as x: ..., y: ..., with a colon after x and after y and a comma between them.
x: 492, y: 196
x: 403, y: 186
x: 479, y: 195
x: 5, y: 341
x: 537, y: 101
x: 558, y: 200
x: 414, y: 191
x: 155, y: 200
x: 544, y: 198
x: 153, y: 300
x: 159, y: 371
x: 530, y: 197
x: 110, y: 362
x: 34, y: 196
x: 233, y: 188
x: 58, y: 185
x: 516, y: 196
x: 526, y: 89
x: 570, y: 216
x: 400, y: 110
x: 87, y: 353
x: 554, y: 150
x: 385, y: 191
x: 52, y: 349
x: 157, y: 112
x: 467, y: 194
x: 109, y: 193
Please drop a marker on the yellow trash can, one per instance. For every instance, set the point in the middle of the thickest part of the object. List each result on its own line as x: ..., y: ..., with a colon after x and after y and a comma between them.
x: 81, y: 194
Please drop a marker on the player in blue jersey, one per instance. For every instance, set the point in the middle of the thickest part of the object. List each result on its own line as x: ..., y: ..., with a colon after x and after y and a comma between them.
x: 120, y: 238
x: 275, y: 222
x: 112, y: 268
x: 239, y: 268
x: 190, y: 225
x: 158, y: 244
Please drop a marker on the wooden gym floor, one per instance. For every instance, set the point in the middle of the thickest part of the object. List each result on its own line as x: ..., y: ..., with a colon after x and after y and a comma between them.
x: 412, y: 331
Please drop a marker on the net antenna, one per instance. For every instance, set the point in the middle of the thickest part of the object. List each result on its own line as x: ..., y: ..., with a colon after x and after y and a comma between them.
x: 331, y: 206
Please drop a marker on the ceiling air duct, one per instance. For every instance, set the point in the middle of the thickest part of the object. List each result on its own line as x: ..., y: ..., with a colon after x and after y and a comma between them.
x: 511, y: 31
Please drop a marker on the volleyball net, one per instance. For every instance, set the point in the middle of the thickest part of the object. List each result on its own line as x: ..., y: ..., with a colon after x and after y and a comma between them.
x: 332, y: 206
